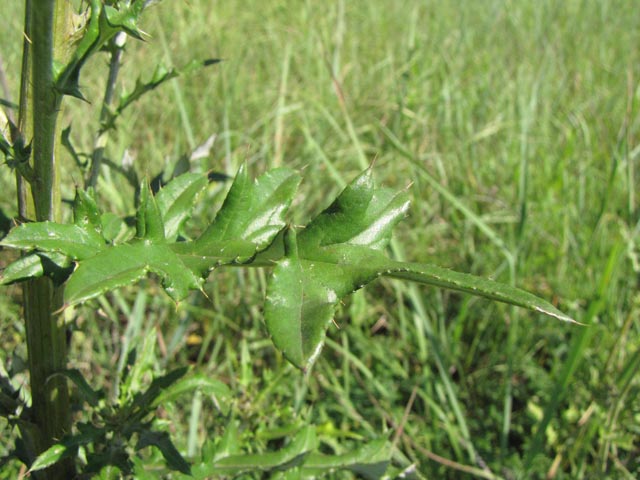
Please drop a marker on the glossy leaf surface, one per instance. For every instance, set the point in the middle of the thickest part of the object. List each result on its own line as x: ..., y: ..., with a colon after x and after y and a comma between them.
x: 124, y: 264
x: 254, y: 210
x: 463, y: 282
x: 336, y: 254
x: 361, y: 215
x: 149, y: 221
x: 176, y: 201
x: 71, y: 240
x: 22, y: 269
x: 68, y: 447
x: 85, y: 211
x: 340, y: 252
x: 50, y: 456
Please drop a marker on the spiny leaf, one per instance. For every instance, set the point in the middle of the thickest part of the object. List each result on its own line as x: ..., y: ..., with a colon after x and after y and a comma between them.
x: 344, y: 218
x: 320, y: 266
x: 302, y: 295
x: 85, y: 211
x: 253, y: 210
x: 112, y: 226
x: 463, y: 282
x: 149, y: 222
x: 50, y: 456
x: 104, y: 22
x: 102, y: 276
x: 5, y: 147
x: 146, y: 401
x: 340, y: 252
x: 176, y: 201
x: 251, y: 217
x: 65, y: 449
x: 361, y: 215
x: 19, y: 157
x: 125, y: 18
x: 55, y: 265
x: 297, y: 309
x: 162, y: 442
x: 201, y: 258
x: 91, y: 396
x: 71, y: 240
x: 67, y: 75
x: 122, y: 265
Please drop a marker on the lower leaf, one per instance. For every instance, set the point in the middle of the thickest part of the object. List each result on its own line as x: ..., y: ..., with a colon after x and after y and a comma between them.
x: 125, y: 264
x: 463, y: 282
x: 162, y: 442
x: 303, y: 293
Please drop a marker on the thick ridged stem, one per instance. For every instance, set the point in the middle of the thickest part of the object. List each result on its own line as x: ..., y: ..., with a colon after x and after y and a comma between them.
x: 45, y: 329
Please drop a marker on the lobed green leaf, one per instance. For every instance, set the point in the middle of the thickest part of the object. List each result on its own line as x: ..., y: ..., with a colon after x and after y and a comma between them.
x: 71, y: 240
x: 121, y: 265
x: 68, y: 447
x: 22, y: 269
x: 55, y: 265
x: 302, y: 294
x: 149, y: 221
x: 201, y: 258
x: 86, y: 213
x: 176, y: 201
x: 297, y: 310
x: 91, y: 396
x: 361, y: 215
x: 253, y: 210
x: 112, y: 226
x: 67, y: 76
x: 340, y: 252
x: 147, y: 400
x: 463, y: 282
x: 162, y: 442
x: 124, y: 18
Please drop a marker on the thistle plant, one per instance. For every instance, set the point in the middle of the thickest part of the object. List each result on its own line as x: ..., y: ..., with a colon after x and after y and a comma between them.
x: 313, y: 267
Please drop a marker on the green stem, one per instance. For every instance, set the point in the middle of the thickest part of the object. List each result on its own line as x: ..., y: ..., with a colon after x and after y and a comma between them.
x: 46, y: 103
x: 46, y: 22
x: 19, y: 134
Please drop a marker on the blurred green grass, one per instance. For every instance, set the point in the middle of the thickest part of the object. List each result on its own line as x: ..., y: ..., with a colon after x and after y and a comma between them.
x: 525, y: 113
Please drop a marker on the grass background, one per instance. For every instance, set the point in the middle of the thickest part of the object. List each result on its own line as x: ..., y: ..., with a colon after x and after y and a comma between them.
x: 516, y: 126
